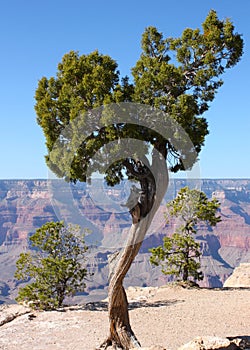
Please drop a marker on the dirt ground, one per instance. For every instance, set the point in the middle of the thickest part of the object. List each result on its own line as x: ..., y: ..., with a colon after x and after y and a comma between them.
x: 167, y: 316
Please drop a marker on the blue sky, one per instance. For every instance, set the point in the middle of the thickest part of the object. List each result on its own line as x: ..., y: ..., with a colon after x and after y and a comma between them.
x: 36, y: 34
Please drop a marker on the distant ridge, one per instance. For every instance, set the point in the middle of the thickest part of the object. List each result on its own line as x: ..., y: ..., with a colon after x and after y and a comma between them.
x: 25, y: 205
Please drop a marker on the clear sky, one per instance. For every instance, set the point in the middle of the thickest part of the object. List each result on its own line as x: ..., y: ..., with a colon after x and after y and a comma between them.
x: 36, y: 34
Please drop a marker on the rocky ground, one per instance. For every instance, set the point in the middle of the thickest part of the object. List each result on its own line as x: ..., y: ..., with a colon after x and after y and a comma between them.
x: 167, y: 316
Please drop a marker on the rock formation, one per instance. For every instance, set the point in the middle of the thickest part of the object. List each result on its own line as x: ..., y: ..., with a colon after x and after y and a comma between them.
x: 240, y: 277
x: 213, y: 343
x: 8, y: 314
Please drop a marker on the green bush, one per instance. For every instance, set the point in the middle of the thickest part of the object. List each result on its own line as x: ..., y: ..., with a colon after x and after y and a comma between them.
x: 180, y: 253
x: 55, y: 268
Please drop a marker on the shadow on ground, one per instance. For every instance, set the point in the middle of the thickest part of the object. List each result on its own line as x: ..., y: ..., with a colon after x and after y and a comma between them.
x: 103, y: 306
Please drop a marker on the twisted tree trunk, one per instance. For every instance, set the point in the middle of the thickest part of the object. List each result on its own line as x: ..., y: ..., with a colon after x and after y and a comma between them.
x: 121, y: 335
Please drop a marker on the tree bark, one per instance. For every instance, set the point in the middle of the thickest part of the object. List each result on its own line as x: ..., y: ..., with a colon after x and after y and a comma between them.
x: 185, y: 274
x: 121, y: 335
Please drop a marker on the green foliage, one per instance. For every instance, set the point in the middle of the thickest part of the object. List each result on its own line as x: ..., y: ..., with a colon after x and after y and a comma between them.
x: 179, y: 76
x: 55, y: 266
x: 178, y: 257
x: 82, y: 83
x: 192, y: 206
x: 180, y: 253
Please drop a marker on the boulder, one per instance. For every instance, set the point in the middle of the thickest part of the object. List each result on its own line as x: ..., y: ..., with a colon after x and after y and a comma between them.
x: 216, y: 343
x: 240, y: 277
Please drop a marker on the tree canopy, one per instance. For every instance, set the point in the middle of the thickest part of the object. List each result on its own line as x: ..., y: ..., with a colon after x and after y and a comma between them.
x: 178, y: 257
x: 55, y: 267
x: 179, y: 254
x: 179, y: 76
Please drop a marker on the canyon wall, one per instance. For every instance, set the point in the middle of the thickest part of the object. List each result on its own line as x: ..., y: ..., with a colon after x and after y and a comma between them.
x: 25, y: 205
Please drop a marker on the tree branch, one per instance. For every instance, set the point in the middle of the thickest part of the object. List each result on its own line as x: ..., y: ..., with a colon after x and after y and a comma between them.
x: 132, y: 169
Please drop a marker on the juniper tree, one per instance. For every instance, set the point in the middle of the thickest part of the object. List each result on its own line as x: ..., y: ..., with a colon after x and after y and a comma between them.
x: 177, y: 76
x: 55, y: 267
x: 179, y: 255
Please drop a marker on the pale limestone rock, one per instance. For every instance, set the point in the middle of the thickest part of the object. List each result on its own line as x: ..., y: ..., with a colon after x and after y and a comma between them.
x: 10, y: 312
x: 216, y: 343
x: 240, y: 277
x: 155, y: 347
x: 206, y: 343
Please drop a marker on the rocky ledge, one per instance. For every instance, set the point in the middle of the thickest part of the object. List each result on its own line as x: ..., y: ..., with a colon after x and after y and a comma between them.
x: 169, y: 316
x: 240, y: 277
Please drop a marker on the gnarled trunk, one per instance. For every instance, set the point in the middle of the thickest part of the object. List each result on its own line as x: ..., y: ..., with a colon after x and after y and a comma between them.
x: 121, y: 335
